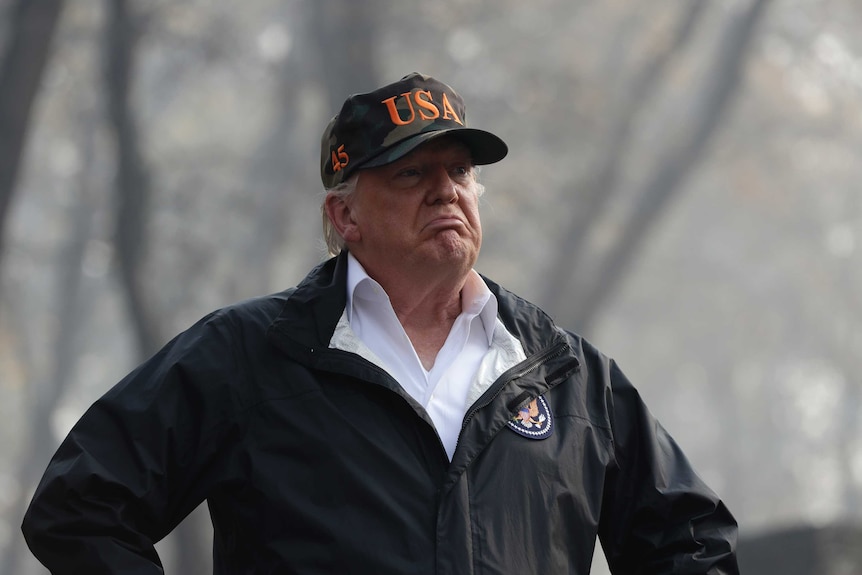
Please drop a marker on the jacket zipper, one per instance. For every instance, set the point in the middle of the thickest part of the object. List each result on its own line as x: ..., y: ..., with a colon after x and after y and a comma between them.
x: 530, y: 366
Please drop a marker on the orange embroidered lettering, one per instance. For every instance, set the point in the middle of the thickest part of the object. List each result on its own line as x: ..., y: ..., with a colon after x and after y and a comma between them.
x: 339, y: 160
x: 393, y: 111
x: 426, y: 105
x: 448, y: 109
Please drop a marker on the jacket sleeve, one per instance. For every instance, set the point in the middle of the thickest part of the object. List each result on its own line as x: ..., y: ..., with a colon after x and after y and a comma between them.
x: 131, y: 468
x: 658, y: 516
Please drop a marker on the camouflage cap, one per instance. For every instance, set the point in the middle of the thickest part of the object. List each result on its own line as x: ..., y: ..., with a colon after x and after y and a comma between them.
x: 382, y: 126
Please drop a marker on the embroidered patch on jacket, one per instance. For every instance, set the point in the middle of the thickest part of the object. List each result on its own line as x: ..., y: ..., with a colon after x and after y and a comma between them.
x: 533, y: 420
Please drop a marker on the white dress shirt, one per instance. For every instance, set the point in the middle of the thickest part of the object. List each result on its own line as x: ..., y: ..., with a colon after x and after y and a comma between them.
x: 477, y: 350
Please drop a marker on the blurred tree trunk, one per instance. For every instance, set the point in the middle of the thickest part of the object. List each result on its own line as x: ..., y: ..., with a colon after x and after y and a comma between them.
x: 132, y: 186
x: 346, y: 40
x: 46, y: 396
x: 31, y: 26
x: 601, y: 185
x: 132, y: 197
x: 278, y: 164
x: 685, y: 147
x: 333, y: 50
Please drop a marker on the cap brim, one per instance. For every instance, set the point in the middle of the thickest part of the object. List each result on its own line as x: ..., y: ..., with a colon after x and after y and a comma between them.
x: 485, y: 147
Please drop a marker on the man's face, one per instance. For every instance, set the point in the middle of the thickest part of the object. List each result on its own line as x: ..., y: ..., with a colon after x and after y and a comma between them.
x: 419, y: 213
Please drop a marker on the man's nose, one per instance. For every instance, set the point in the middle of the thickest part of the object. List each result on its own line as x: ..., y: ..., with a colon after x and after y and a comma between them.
x: 442, y: 187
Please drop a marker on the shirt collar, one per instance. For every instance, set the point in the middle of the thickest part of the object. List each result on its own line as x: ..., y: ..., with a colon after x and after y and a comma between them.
x: 476, y: 298
x: 360, y: 283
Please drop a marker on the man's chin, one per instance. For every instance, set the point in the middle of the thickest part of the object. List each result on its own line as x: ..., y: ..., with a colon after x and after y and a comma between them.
x: 452, y: 250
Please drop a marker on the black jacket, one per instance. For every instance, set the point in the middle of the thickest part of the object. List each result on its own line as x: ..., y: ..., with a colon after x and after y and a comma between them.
x: 314, y: 460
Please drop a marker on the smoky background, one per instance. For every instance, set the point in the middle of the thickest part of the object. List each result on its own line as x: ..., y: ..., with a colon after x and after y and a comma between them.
x: 682, y: 188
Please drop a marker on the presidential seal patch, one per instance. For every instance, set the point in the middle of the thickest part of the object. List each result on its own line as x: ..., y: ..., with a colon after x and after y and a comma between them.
x: 533, y: 420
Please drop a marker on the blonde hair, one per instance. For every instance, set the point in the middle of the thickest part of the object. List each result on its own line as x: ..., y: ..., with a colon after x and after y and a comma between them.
x: 334, y: 241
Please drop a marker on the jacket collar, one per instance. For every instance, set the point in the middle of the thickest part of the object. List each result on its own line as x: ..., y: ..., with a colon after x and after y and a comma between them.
x: 309, y: 316
x: 529, y: 323
x: 308, y: 319
x: 312, y: 310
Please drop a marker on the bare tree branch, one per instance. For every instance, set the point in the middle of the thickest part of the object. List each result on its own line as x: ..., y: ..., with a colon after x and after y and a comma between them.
x: 595, y: 193
x: 680, y: 158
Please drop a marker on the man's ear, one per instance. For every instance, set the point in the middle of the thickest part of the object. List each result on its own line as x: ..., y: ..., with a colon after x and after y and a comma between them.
x: 340, y: 214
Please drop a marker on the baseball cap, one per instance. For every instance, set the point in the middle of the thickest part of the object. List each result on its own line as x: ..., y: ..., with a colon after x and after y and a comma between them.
x: 379, y: 127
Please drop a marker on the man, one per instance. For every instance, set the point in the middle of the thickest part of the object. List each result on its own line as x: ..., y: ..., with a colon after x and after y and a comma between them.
x: 394, y: 413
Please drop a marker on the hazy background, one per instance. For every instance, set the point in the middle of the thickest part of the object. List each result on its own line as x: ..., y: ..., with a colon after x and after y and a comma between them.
x: 682, y: 188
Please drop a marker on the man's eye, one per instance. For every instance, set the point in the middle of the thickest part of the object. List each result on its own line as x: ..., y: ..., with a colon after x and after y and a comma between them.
x: 408, y: 173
